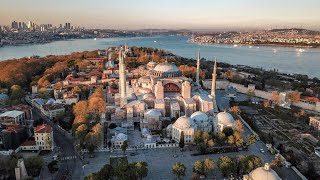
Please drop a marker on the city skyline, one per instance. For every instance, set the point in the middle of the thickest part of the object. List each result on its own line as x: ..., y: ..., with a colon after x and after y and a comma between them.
x: 178, y: 14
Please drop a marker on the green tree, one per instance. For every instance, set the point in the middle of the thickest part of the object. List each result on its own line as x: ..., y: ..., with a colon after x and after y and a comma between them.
x: 228, y: 131
x: 181, y: 142
x: 226, y: 165
x: 208, y: 166
x: 34, y: 165
x: 16, y: 95
x: 252, y: 162
x: 44, y: 93
x: 179, y: 170
x: 124, y: 146
x: 198, y: 167
x: 141, y: 169
x: 198, y: 137
x: 251, y: 139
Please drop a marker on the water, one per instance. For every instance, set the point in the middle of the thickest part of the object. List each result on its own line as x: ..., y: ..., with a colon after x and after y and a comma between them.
x: 285, y: 59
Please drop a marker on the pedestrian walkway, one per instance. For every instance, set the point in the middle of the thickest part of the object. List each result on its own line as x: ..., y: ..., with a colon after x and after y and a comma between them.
x: 68, y: 158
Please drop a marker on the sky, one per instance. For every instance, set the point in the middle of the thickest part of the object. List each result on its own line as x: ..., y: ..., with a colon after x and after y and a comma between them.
x: 168, y: 14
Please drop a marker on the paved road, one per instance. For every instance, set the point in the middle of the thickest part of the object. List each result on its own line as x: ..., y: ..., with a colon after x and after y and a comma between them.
x: 65, y: 146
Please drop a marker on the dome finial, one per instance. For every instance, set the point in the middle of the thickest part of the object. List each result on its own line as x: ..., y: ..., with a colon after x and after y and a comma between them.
x: 266, y: 167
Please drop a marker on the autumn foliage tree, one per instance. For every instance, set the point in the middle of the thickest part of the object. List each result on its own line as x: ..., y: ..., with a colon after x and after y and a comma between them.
x: 294, y: 96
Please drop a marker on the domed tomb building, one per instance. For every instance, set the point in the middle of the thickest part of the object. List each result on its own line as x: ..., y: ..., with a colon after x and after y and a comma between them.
x: 262, y: 173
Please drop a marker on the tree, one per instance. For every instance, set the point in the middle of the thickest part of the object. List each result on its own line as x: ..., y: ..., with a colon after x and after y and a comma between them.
x: 81, y: 108
x: 252, y: 162
x: 240, y: 164
x: 179, y: 170
x: 198, y: 137
x: 266, y: 103
x: 76, y: 90
x: 208, y: 166
x: 124, y: 146
x: 239, y: 126
x: 231, y: 140
x: 226, y: 165
x: 181, y: 142
x: 34, y: 165
x: 238, y: 139
x: 211, y: 143
x: 141, y: 169
x: 251, y: 138
x: 228, y: 131
x: 221, y: 137
x: 16, y: 94
x: 275, y: 97
x: 294, y: 96
x: 198, y: 167
x: 44, y: 93
x: 96, y: 107
x: 235, y: 109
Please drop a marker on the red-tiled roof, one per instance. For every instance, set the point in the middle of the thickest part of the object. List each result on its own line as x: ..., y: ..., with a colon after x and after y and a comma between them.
x: 29, y: 143
x: 307, y: 98
x: 44, y: 128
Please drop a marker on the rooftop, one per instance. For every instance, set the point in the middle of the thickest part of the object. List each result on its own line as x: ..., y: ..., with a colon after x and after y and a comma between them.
x: 44, y: 128
x: 12, y: 114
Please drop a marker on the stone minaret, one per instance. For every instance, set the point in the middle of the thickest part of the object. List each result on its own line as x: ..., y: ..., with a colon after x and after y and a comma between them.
x: 122, y: 80
x: 198, y: 68
x: 214, y: 78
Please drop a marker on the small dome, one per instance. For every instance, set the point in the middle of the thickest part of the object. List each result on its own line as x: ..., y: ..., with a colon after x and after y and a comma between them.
x: 264, y: 173
x: 199, y: 116
x: 152, y: 113
x: 145, y: 79
x: 148, y: 96
x: 182, y: 122
x: 121, y: 137
x: 166, y: 67
x: 225, y: 119
x: 152, y: 63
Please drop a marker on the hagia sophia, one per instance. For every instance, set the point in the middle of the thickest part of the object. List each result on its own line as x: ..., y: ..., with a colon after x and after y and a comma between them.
x: 163, y: 93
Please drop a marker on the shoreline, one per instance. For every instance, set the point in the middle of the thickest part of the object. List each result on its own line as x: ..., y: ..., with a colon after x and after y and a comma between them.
x: 266, y: 45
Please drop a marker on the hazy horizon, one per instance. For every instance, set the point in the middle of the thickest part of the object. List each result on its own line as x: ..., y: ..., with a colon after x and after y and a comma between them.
x: 204, y: 15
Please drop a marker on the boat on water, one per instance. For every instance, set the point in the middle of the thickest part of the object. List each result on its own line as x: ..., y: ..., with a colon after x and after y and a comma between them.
x: 95, y: 39
x: 300, y: 50
x: 235, y: 45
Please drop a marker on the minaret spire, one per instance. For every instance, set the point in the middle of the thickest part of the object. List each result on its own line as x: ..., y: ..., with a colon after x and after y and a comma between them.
x: 214, y: 78
x: 198, y: 68
x: 122, y: 80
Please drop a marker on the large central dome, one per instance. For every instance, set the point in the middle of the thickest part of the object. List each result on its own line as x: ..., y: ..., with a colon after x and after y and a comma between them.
x: 166, y: 69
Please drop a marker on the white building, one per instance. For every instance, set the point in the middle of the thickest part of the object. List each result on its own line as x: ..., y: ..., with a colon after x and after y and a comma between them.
x: 222, y: 121
x: 262, y: 173
x: 43, y: 135
x: 13, y: 117
x: 183, y: 124
x: 151, y: 120
x: 202, y: 121
x: 118, y: 139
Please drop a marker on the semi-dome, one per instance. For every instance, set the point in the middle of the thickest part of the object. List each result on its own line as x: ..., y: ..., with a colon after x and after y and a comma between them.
x: 182, y: 122
x: 166, y: 69
x: 153, y: 113
x: 264, y: 173
x: 225, y: 119
x: 199, y: 116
